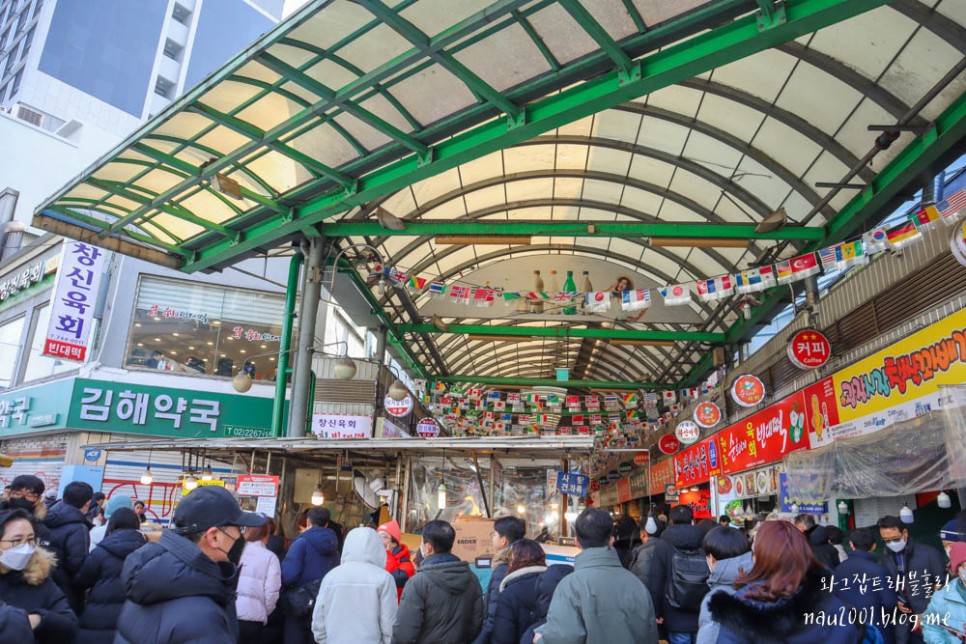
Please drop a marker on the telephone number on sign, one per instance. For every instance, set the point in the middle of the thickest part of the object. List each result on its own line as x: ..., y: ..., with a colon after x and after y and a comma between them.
x: 247, y: 432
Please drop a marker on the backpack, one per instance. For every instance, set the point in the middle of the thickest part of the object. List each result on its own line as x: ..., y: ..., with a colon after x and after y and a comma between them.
x: 688, y: 582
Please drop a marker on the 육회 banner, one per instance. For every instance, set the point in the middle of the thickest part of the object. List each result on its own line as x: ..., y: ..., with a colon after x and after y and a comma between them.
x: 765, y: 436
x: 73, y: 301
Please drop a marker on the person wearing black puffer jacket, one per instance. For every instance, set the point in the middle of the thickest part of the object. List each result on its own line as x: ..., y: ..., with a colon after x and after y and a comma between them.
x: 683, y: 539
x: 522, y: 594
x: 817, y: 535
x: 101, y: 574
x: 70, y: 538
x: 182, y: 588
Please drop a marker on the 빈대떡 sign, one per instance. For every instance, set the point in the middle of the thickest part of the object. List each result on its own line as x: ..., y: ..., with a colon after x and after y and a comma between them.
x: 72, y: 303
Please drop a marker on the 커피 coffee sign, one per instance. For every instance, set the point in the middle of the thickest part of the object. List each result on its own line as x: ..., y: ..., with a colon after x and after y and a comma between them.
x: 809, y: 349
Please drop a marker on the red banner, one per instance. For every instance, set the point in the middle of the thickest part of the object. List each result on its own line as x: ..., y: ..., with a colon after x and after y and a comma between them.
x: 661, y: 474
x: 624, y: 490
x: 697, y: 463
x: 764, y: 437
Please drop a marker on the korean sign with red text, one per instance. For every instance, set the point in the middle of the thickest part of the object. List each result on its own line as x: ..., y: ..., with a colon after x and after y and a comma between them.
x: 765, y: 436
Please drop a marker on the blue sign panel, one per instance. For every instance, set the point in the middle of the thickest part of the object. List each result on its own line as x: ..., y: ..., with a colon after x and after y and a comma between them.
x: 572, y: 483
x: 803, y: 508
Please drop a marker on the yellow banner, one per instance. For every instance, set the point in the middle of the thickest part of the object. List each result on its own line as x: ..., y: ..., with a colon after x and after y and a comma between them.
x: 905, y: 371
x: 218, y: 482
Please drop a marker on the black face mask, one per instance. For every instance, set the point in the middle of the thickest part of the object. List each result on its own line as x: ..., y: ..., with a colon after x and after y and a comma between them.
x: 235, y: 552
x: 22, y: 504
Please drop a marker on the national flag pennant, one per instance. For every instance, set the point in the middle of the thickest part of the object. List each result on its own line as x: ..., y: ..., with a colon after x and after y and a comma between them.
x: 439, y: 387
x: 416, y: 283
x: 394, y: 276
x: 636, y: 300
x: 715, y: 289
x: 652, y: 413
x: 553, y: 399
x: 459, y: 293
x: 850, y: 253
x: 676, y: 408
x: 631, y: 414
x: 565, y: 296
x: 597, y: 302
x: 577, y: 419
x: 436, y: 289
x: 610, y: 402
x: 926, y: 215
x: 499, y: 405
x: 784, y: 270
x: 668, y: 397
x: 506, y: 417
x: 510, y: 297
x: 523, y: 419
x: 534, y: 295
x: 596, y: 419
x: 592, y: 403
x: 798, y: 268
x: 573, y: 403
x: 456, y: 390
x: 676, y: 295
x: 513, y: 398
x: 630, y: 400
x: 875, y: 241
x: 492, y: 396
x: 500, y: 427
x: 829, y: 257
x: 474, y: 393
x: 903, y: 235
x: 483, y: 297
x: 952, y: 205
x: 532, y: 398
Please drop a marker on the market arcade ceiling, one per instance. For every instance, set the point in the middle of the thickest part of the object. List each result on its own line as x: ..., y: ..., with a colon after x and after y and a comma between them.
x: 638, y: 138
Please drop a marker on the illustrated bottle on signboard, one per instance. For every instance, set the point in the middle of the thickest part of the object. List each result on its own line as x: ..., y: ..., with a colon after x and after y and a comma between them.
x: 586, y: 286
x: 553, y: 287
x: 536, y: 306
x: 570, y: 287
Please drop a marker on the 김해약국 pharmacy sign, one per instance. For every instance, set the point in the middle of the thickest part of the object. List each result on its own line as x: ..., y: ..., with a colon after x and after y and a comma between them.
x: 161, y: 411
x: 72, y: 304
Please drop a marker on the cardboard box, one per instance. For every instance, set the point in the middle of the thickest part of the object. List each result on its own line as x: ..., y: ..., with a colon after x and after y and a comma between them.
x: 473, y: 538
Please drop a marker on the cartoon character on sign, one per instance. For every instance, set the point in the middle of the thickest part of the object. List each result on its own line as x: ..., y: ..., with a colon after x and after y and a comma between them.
x: 819, y: 416
x: 796, y: 419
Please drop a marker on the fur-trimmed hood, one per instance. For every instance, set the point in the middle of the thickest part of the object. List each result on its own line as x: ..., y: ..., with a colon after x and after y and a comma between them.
x: 38, y: 568
x: 757, y: 621
x: 502, y: 556
x: 521, y: 572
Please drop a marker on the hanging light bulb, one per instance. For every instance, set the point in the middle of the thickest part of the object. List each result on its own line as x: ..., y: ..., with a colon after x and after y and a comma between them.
x: 650, y: 526
x: 345, y: 368
x: 190, y: 482
x: 242, y: 382
x: 381, y: 286
x: 843, y: 507
x: 441, y: 496
x: 943, y: 500
x: 905, y: 514
x: 147, y: 478
x: 397, y: 390
x: 207, y: 474
x: 318, y: 497
x: 521, y: 509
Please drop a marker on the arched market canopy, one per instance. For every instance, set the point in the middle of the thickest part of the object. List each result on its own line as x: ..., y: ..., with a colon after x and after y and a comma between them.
x: 667, y: 141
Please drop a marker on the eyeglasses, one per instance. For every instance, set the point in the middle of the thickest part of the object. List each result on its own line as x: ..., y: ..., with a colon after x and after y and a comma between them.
x: 893, y: 540
x: 241, y: 530
x: 24, y: 494
x: 19, y: 542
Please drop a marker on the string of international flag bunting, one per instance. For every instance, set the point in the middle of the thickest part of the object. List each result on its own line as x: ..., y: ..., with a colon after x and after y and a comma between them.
x: 620, y: 418
x: 837, y: 256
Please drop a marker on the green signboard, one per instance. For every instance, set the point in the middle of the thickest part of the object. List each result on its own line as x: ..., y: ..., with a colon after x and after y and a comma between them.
x: 102, y: 406
x: 34, y: 409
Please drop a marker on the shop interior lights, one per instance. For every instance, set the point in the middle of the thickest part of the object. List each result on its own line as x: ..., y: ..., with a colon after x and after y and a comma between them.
x: 905, y: 514
x: 207, y: 474
x: 190, y: 481
x: 944, y: 501
x: 147, y: 478
x: 843, y: 507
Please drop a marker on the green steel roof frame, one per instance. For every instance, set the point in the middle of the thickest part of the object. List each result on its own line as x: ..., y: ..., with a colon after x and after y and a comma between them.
x: 296, y: 212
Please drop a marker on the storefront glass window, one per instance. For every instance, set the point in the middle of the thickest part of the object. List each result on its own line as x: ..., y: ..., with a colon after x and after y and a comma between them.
x: 199, y: 329
x: 10, y: 334
x: 41, y: 366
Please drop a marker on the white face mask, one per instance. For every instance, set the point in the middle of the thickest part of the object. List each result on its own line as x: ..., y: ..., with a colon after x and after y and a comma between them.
x: 948, y: 550
x: 962, y: 575
x: 17, y: 558
x: 896, y: 546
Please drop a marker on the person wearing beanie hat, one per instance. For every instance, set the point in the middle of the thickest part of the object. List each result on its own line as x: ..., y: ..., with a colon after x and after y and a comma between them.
x: 950, y: 534
x: 945, y: 618
x: 116, y: 502
x: 399, y: 561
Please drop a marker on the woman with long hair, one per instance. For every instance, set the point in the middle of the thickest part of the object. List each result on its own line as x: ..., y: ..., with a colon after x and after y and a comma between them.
x: 259, y: 584
x: 101, y: 573
x: 784, y: 597
x: 527, y: 583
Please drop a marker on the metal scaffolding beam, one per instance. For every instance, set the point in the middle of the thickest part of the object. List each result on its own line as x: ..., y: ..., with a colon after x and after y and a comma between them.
x: 566, y: 332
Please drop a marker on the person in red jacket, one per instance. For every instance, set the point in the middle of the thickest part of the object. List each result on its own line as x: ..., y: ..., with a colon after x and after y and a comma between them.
x: 399, y: 563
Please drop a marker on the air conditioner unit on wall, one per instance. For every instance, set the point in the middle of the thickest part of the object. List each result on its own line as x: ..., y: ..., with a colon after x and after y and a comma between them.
x: 31, y: 116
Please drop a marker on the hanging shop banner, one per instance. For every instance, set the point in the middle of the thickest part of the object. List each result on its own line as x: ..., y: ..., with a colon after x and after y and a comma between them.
x: 427, y: 428
x: 765, y: 436
x: 697, y: 463
x: 901, y: 381
x: 661, y: 474
x: 258, y: 493
x: 669, y: 444
x: 803, y: 508
x: 625, y: 467
x: 747, y: 390
x: 809, y: 349
x: 707, y: 414
x: 341, y: 426
x: 624, y: 490
x: 398, y: 408
x: 687, y: 432
x: 821, y: 412
x: 26, y: 277
x: 642, y: 458
x: 73, y: 301
x: 572, y: 483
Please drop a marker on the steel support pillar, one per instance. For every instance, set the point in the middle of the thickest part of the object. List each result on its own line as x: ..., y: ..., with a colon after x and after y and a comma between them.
x: 285, y: 344
x: 308, y: 312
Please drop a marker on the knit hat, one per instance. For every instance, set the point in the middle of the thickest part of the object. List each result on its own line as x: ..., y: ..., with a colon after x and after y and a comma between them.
x: 392, y: 529
x: 957, y: 557
x: 950, y: 532
x: 116, y: 502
